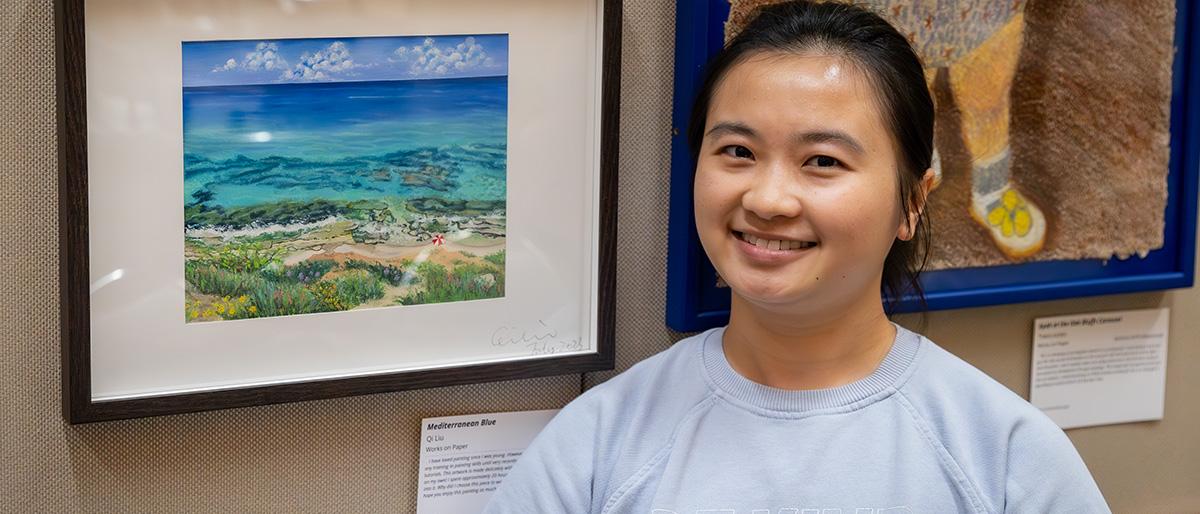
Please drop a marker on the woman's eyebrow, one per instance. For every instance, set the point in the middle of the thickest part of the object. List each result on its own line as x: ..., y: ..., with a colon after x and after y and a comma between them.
x: 729, y: 127
x: 836, y: 137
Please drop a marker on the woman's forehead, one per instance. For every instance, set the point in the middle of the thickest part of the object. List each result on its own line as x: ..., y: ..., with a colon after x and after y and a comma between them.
x: 779, y: 77
x: 815, y: 69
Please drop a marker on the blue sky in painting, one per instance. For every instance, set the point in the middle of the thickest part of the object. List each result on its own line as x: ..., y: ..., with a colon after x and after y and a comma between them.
x: 281, y: 61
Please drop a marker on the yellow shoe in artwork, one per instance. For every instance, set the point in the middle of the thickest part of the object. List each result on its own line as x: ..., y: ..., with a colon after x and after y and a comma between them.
x: 1017, y: 225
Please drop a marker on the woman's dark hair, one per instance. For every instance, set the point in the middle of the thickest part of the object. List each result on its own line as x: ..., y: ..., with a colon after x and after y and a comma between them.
x: 887, y: 59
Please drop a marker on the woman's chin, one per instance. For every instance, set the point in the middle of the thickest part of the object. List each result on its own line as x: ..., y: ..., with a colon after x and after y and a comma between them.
x: 770, y: 295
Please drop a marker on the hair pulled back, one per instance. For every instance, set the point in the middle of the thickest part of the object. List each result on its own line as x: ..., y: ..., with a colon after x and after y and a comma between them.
x: 886, y: 58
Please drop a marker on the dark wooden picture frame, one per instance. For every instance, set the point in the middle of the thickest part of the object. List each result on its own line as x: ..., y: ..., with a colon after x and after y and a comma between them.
x: 79, y: 405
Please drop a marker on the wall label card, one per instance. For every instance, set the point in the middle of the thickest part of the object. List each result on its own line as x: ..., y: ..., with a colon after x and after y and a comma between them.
x: 1100, y: 368
x: 463, y: 458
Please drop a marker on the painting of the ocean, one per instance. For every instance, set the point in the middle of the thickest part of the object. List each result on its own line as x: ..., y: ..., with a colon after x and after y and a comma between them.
x: 325, y: 175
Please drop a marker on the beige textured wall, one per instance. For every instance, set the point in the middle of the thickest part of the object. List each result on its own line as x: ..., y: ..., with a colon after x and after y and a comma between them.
x: 360, y: 454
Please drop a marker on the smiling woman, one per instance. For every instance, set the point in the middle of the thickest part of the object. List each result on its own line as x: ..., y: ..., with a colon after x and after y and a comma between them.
x: 796, y: 153
x: 812, y: 136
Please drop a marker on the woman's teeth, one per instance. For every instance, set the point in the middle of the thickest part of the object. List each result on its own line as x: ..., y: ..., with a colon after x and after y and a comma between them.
x: 775, y: 244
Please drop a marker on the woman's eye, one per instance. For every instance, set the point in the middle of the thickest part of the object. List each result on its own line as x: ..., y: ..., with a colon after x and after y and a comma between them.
x: 823, y: 161
x: 738, y: 151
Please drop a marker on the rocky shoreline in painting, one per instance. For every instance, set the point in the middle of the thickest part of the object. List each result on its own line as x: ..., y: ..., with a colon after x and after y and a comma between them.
x: 324, y: 256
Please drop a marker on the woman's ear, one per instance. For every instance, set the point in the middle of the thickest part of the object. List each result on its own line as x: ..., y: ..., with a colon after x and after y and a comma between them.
x: 908, y: 229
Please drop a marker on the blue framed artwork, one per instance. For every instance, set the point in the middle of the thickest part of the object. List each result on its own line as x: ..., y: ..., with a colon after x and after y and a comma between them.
x: 1093, y: 189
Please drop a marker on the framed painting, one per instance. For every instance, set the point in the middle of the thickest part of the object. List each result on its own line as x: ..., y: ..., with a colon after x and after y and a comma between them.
x: 270, y: 201
x: 1065, y: 147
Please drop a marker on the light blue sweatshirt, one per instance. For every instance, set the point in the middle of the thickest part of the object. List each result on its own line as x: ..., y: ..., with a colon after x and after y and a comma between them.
x: 683, y: 433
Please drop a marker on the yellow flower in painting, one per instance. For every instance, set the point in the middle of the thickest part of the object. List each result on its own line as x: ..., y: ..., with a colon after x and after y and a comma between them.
x: 253, y: 309
x: 1011, y: 215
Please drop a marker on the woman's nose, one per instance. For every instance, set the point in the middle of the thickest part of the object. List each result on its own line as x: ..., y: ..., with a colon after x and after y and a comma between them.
x: 772, y: 193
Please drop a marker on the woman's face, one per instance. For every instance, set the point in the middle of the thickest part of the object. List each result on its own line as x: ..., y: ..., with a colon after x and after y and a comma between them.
x: 796, y: 183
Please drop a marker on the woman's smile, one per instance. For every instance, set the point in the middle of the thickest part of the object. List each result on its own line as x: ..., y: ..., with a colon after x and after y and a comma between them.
x: 769, y: 249
x: 773, y: 244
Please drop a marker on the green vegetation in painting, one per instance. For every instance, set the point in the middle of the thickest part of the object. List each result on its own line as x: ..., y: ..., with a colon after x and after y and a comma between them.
x: 233, y: 271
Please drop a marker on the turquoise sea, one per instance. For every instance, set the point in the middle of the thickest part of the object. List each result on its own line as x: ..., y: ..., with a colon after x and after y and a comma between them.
x: 346, y: 141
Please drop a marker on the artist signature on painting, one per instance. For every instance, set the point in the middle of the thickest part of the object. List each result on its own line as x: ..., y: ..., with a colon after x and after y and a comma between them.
x: 560, y: 345
x: 540, y: 340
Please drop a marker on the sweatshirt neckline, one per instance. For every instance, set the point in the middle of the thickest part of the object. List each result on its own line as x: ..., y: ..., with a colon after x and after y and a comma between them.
x: 883, y: 380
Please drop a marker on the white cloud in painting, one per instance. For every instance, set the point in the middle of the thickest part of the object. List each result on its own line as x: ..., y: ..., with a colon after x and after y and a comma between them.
x: 332, y: 60
x: 265, y: 56
x: 428, y: 58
